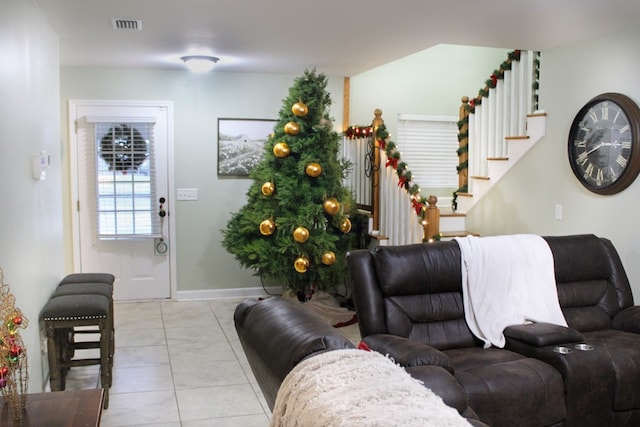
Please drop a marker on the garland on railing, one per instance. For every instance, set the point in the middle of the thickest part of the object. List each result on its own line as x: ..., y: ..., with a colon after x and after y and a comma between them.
x: 354, y: 132
x: 405, y: 176
x: 490, y: 83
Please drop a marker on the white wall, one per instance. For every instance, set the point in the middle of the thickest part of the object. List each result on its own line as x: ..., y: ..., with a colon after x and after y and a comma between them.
x: 30, y: 211
x: 524, y: 201
x: 199, y: 100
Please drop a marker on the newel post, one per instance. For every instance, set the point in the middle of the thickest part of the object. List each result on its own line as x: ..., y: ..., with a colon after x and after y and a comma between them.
x: 375, y: 176
x: 463, y: 144
x: 431, y: 222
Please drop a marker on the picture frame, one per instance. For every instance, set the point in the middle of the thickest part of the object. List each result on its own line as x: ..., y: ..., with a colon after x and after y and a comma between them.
x: 241, y: 144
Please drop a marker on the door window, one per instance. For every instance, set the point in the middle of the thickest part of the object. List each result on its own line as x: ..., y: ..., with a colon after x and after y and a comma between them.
x: 125, y: 181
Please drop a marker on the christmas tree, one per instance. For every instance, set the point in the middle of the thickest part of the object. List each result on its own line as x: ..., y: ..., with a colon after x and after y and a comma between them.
x: 299, y: 220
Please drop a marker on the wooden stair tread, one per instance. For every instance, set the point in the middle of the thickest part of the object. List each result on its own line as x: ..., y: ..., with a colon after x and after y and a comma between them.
x: 498, y: 158
x: 378, y: 237
x: 486, y: 178
x: 513, y: 138
x: 462, y: 233
x: 452, y: 215
x: 541, y: 114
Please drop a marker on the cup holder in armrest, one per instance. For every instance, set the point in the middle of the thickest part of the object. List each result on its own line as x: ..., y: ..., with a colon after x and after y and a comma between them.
x: 562, y: 349
x: 584, y: 347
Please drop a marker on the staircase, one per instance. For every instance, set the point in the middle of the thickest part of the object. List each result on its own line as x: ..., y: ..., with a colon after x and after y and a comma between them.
x: 498, y: 127
x: 497, y: 167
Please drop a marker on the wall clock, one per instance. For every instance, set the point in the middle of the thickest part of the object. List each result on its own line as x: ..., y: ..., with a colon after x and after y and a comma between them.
x: 604, y: 143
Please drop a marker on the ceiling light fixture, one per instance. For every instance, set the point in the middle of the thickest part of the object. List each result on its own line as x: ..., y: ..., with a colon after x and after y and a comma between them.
x: 199, y: 63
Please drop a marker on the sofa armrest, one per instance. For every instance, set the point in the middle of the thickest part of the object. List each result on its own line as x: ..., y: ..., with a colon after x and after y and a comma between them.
x: 628, y: 320
x: 542, y: 334
x: 406, y: 352
x: 276, y: 334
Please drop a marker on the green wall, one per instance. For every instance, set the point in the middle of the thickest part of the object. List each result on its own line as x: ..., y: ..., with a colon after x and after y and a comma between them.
x: 202, y: 265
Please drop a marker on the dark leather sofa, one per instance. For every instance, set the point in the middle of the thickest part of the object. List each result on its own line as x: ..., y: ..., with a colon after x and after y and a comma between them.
x: 409, y: 303
x: 277, y: 334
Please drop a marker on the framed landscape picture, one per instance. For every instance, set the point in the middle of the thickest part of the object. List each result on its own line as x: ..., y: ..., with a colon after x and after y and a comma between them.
x: 241, y: 144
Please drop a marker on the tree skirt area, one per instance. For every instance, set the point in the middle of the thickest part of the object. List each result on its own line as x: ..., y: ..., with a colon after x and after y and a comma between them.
x: 357, y: 388
x: 326, y: 306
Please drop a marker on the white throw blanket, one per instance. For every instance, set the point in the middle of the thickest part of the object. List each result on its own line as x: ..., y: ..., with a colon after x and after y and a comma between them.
x: 357, y: 388
x: 507, y: 280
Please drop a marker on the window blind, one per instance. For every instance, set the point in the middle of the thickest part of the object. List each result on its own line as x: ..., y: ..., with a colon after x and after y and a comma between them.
x: 429, y: 146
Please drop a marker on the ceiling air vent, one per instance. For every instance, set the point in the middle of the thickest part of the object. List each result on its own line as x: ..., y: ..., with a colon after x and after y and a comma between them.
x: 126, y: 24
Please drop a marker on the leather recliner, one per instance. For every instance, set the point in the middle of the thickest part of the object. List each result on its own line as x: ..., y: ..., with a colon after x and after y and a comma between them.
x: 601, y: 369
x: 409, y: 305
x: 277, y: 334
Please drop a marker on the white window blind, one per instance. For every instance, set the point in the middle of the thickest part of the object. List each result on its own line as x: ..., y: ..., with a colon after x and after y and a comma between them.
x: 126, y: 199
x: 429, y: 146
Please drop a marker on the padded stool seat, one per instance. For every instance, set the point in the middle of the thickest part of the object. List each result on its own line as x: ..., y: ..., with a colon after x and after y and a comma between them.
x: 88, y: 278
x: 63, y: 313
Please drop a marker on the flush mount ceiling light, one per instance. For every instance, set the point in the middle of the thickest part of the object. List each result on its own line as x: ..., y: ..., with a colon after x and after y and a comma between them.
x: 199, y: 63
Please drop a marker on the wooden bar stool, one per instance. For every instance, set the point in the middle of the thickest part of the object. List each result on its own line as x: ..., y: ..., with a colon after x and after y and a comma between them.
x: 65, y: 312
x: 88, y: 288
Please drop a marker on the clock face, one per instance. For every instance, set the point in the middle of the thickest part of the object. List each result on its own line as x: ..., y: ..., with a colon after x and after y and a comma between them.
x: 603, y: 143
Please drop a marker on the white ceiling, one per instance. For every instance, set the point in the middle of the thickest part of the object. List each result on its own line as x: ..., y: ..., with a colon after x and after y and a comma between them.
x: 337, y: 37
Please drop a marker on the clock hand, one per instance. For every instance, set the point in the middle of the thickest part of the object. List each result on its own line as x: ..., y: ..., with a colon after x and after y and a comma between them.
x: 597, y: 147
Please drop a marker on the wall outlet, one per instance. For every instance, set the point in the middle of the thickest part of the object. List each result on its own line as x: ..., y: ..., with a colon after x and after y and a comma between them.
x: 558, y: 213
x: 190, y: 194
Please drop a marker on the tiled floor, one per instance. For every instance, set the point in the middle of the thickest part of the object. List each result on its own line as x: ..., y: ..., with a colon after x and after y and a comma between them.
x: 180, y: 364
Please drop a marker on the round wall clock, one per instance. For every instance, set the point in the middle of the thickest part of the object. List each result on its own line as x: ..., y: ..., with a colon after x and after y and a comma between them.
x: 604, y: 143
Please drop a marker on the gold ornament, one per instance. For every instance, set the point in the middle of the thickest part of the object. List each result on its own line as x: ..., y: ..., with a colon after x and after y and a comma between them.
x: 300, y: 234
x: 281, y: 149
x: 328, y: 258
x: 345, y: 225
x: 313, y: 170
x: 267, y: 227
x: 331, y: 206
x: 292, y: 128
x: 268, y: 188
x: 300, y: 109
x: 301, y: 264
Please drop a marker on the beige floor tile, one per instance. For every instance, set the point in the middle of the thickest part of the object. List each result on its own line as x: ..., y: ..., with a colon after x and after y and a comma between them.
x: 241, y: 421
x: 142, y: 378
x: 190, y: 371
x: 217, y: 402
x: 130, y: 409
x: 139, y: 337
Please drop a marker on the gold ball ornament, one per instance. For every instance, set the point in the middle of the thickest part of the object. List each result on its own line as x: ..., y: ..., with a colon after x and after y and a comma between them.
x: 331, y: 206
x: 301, y: 264
x: 267, y: 227
x: 328, y: 258
x: 268, y: 188
x: 300, y: 234
x: 345, y: 225
x: 313, y: 170
x: 300, y: 109
x: 281, y: 149
x: 292, y: 128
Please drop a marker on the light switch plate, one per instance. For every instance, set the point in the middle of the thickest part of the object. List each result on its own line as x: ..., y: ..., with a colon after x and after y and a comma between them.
x: 190, y: 194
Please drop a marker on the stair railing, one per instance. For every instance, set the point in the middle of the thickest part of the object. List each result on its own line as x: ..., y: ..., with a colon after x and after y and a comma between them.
x: 498, y: 111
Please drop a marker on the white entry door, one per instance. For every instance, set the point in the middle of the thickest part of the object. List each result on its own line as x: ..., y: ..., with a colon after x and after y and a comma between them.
x: 121, y: 180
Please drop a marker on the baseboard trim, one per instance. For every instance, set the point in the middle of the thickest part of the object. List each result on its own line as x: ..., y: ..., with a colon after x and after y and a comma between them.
x: 207, y: 294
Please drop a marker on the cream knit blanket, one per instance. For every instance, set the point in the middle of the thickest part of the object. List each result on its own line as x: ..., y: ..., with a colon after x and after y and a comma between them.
x: 357, y: 388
